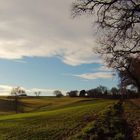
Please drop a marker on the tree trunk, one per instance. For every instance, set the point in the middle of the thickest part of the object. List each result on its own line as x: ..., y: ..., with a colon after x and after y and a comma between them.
x: 16, y: 104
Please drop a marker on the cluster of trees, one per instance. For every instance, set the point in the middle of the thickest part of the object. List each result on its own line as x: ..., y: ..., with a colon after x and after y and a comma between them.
x: 18, y: 91
x: 104, y: 92
x: 73, y: 93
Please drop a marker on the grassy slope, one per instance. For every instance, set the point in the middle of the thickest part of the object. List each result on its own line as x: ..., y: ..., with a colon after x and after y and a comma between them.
x: 31, y: 104
x: 52, y: 119
x: 55, y: 118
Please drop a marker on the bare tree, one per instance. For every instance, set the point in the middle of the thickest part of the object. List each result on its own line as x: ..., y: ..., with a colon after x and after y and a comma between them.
x: 58, y: 93
x: 119, y: 21
x: 16, y: 92
x: 37, y: 93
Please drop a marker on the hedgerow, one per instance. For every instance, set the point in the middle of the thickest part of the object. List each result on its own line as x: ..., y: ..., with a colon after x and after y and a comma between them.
x: 111, y: 125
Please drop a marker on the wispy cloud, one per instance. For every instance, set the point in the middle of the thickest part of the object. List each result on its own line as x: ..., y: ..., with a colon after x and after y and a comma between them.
x: 105, y: 68
x: 20, y: 61
x: 93, y: 76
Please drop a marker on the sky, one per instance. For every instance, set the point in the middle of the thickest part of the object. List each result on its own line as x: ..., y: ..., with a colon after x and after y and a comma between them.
x: 43, y: 48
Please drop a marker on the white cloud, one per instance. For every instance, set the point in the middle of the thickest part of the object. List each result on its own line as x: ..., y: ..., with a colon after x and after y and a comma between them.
x: 6, y: 89
x: 93, y: 76
x: 34, y: 28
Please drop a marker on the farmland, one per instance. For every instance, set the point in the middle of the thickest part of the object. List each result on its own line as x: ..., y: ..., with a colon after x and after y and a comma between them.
x: 51, y: 118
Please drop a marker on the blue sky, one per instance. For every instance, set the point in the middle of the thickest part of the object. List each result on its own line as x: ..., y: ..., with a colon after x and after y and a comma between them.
x: 48, y: 74
x: 43, y: 48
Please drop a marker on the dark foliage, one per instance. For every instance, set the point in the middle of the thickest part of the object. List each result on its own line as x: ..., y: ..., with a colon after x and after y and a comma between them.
x: 73, y: 93
x: 103, y: 92
x: 82, y: 93
x: 110, y: 126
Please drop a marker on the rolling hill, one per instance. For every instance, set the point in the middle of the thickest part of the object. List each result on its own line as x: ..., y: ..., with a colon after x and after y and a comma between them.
x: 50, y: 118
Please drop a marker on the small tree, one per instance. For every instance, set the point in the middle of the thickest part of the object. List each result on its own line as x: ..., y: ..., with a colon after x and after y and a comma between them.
x: 82, y: 93
x: 37, y: 93
x: 58, y: 93
x: 16, y: 92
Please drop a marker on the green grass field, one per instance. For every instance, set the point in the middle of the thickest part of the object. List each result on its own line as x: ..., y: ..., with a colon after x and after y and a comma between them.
x: 49, y: 118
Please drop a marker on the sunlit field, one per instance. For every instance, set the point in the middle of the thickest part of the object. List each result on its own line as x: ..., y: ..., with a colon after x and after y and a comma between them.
x: 53, y: 118
x: 50, y: 118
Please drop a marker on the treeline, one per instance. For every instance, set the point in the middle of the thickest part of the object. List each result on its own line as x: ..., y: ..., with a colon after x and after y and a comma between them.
x: 104, y: 92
